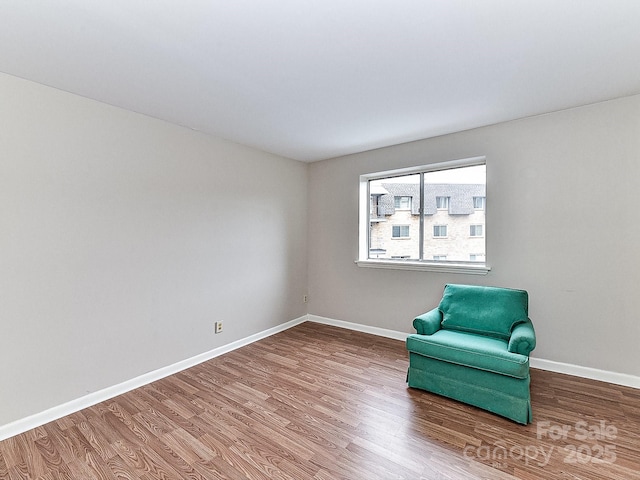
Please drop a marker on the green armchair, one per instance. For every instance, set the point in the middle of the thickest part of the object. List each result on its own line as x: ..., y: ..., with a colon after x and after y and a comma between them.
x: 474, y: 347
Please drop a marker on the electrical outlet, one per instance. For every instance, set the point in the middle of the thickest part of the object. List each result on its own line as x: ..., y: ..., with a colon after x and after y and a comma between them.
x: 305, y: 298
x: 218, y: 327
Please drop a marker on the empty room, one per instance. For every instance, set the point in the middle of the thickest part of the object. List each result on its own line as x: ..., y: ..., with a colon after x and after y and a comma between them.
x: 319, y: 240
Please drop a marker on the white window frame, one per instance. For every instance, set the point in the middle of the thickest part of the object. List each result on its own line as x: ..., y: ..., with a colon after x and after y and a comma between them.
x: 471, y: 268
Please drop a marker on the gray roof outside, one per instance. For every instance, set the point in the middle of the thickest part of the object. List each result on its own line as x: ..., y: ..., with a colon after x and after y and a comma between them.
x: 460, y: 197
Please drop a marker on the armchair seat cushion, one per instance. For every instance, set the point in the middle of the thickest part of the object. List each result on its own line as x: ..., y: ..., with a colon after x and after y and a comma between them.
x: 470, y: 350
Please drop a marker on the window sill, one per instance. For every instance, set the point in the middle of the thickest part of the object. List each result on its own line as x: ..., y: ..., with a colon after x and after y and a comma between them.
x: 469, y: 269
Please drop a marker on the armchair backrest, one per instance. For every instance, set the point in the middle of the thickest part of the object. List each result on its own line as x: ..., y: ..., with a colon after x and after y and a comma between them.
x: 491, y: 311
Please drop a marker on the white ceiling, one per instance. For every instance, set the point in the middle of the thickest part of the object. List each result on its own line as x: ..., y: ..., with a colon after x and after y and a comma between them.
x: 314, y: 79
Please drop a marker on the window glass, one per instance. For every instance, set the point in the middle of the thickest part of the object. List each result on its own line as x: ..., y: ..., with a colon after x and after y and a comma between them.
x: 395, y: 215
x: 428, y: 215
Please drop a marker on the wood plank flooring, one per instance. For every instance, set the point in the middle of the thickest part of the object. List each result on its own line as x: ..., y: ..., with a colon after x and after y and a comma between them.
x: 319, y: 402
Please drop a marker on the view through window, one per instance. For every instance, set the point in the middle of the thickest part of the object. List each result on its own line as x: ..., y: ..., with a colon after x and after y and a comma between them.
x: 430, y: 216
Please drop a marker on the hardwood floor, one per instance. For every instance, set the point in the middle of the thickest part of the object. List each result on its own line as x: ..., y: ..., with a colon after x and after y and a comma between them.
x: 319, y: 402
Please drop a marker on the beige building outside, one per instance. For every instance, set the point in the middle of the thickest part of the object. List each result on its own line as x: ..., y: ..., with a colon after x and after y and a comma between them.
x: 454, y: 222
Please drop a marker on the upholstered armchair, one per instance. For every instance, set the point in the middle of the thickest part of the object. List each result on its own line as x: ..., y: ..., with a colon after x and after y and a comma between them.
x: 474, y: 347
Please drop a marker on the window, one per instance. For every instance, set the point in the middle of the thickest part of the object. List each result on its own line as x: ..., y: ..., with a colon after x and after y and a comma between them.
x: 475, y: 231
x: 432, y: 208
x: 442, y: 203
x: 402, y: 203
x: 439, y: 230
x: 400, y: 231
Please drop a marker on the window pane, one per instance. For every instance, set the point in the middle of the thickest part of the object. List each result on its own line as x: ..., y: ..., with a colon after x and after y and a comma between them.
x: 454, y: 210
x: 394, y: 218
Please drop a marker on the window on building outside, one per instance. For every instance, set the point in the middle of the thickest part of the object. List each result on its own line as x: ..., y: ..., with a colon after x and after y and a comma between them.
x: 443, y: 206
x: 400, y: 231
x: 478, y: 203
x: 439, y: 230
x: 402, y: 203
x: 442, y: 203
x: 475, y: 231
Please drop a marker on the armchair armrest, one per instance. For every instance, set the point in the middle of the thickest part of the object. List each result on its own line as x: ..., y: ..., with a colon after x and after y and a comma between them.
x: 523, y: 338
x: 428, y: 323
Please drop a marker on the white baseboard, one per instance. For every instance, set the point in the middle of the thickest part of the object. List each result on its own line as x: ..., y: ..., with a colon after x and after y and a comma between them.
x: 54, y: 413
x: 540, y: 363
x: 616, y: 378
x: 381, y: 332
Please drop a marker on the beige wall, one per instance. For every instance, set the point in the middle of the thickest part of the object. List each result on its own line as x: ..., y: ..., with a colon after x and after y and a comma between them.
x: 562, y: 222
x: 122, y: 240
